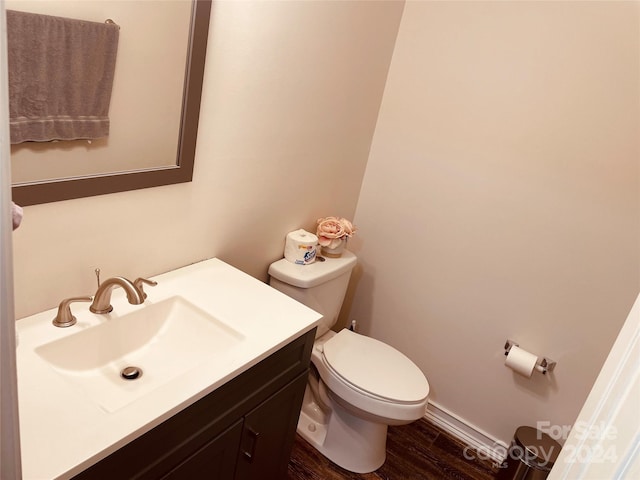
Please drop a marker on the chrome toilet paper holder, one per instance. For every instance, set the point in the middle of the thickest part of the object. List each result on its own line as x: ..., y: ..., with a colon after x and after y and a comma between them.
x: 543, y: 365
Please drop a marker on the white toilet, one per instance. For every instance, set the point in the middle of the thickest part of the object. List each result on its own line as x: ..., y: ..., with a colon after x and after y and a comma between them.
x: 358, y: 385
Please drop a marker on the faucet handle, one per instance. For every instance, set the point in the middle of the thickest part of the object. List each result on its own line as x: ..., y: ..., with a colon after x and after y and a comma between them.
x: 65, y: 318
x: 139, y: 283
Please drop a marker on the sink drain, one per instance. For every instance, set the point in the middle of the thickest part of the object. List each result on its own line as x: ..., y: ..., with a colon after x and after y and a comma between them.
x: 131, y: 373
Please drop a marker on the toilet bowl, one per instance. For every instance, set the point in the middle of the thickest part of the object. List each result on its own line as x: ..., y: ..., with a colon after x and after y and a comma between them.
x: 358, y: 385
x: 347, y: 418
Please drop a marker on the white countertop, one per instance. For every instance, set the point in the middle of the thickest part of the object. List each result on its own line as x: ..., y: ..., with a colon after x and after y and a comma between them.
x: 63, y: 431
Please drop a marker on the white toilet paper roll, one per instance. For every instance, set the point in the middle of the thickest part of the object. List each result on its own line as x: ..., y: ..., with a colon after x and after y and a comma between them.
x: 521, y: 361
x: 300, y: 247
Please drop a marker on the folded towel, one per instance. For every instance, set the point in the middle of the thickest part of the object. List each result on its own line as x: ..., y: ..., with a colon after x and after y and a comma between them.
x: 60, y: 77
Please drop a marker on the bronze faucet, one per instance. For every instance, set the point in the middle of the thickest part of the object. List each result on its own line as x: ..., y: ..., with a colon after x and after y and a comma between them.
x: 102, y: 299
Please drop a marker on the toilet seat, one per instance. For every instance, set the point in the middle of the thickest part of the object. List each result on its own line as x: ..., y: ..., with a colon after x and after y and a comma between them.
x: 374, y: 368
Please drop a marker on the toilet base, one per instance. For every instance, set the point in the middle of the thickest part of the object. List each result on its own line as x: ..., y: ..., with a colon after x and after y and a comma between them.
x: 350, y: 442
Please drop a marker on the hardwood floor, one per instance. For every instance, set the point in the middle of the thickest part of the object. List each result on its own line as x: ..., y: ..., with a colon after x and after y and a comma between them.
x: 419, y: 451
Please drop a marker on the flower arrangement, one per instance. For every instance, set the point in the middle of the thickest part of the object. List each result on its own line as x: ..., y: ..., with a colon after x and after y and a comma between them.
x: 333, y: 231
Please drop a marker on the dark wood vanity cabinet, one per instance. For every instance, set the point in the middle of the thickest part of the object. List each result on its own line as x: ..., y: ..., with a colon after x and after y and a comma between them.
x: 243, y: 430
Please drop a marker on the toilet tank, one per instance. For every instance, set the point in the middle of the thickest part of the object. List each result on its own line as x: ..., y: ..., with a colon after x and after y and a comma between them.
x: 320, y: 285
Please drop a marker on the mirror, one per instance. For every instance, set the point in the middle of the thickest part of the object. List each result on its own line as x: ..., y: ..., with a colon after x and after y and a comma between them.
x: 31, y: 192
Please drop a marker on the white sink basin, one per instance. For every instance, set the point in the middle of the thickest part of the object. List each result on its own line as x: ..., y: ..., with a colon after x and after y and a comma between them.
x: 163, y: 340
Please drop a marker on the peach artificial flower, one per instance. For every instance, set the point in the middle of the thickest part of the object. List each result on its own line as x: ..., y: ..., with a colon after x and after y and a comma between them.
x: 332, y: 230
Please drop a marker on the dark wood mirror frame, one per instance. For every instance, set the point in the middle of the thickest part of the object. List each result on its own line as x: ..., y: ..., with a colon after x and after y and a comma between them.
x: 78, y: 187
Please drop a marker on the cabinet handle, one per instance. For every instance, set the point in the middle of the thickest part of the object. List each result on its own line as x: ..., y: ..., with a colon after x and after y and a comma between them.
x: 250, y: 453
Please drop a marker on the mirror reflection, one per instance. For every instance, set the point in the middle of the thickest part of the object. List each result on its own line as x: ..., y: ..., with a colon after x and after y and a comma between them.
x: 153, y: 111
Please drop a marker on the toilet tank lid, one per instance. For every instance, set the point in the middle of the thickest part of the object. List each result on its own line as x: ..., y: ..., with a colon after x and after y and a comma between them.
x: 316, y: 273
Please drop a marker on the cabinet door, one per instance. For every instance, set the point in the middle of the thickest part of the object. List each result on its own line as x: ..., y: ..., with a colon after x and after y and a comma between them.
x: 214, y: 461
x: 269, y: 433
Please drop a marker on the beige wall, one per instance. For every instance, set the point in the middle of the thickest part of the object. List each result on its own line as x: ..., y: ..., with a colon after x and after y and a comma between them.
x: 501, y: 200
x: 287, y: 118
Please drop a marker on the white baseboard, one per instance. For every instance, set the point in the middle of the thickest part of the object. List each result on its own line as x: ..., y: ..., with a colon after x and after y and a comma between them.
x: 480, y: 443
